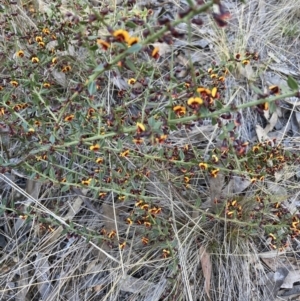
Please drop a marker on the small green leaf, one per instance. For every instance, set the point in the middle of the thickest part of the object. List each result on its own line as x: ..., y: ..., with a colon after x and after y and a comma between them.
x: 198, y: 203
x: 157, y: 125
x: 230, y: 68
x: 2, y: 209
x: 172, y: 114
x: 28, y: 219
x: 222, y: 136
x: 70, y: 164
x: 6, y: 97
x: 119, y: 145
x: 181, y: 155
x: 99, y: 68
x: 64, y: 231
x: 52, y: 173
x: 93, y: 48
x: 134, y: 48
x: 92, y: 88
x: 173, y: 127
x: 230, y: 126
x: 69, y: 178
x: 161, y: 153
x: 91, y: 38
x: 256, y: 90
x: 219, y: 104
x: 130, y: 24
x: 130, y: 65
x: 292, y: 83
x: 272, y: 107
x: 204, y: 111
x: 52, y: 139
x: 151, y: 121
x: 214, y: 121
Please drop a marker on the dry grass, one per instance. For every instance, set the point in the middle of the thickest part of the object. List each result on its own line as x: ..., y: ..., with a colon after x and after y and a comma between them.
x: 209, y: 254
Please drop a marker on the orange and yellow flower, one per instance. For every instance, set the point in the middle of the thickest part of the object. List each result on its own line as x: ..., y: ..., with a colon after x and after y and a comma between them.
x: 121, y: 35
x: 121, y: 198
x: 46, y: 31
x: 14, y: 83
x: 124, y: 154
x: 131, y: 81
x: 195, y: 101
x: 166, y: 253
x: 138, y: 140
x: 204, y: 91
x: 66, y: 68
x: 20, y: 53
x: 145, y: 240
x: 129, y: 221
x: 95, y: 147
x: 112, y: 234
x: 215, y: 159
x: 214, y: 92
x: 38, y: 39
x: 203, y: 165
x: 46, y: 85
x: 99, y: 160
x: 155, y: 53
x: 41, y: 44
x: 37, y: 123
x: 105, y: 45
x: 102, y: 194
x: 86, y: 182
x: 214, y: 172
x: 69, y: 117
x: 179, y: 110
x: 161, y: 138
x: 274, y: 90
x: 140, y: 127
x: 132, y: 41
x: 122, y: 245
x: 35, y: 59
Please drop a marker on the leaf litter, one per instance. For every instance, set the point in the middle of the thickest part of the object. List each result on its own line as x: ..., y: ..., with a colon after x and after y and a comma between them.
x: 217, y: 187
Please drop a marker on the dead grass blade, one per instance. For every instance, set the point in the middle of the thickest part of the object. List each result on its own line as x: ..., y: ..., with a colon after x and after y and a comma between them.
x: 42, y: 275
x: 215, y: 188
x: 207, y: 269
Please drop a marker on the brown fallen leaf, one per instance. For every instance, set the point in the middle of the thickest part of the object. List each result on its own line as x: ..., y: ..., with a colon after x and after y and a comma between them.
x: 215, y: 188
x: 261, y: 134
x: 288, y: 263
x: 163, y: 48
x: 207, y: 268
x: 236, y: 185
x: 292, y: 277
x: 247, y: 71
x: 271, y: 122
x: 98, y: 288
x: 76, y: 205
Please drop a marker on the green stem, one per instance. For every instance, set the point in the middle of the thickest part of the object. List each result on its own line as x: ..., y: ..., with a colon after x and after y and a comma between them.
x: 151, y: 39
x: 228, y: 108
x: 43, y: 102
x: 170, y: 122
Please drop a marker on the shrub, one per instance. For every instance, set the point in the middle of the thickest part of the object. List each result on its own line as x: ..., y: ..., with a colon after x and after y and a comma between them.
x: 89, y: 108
